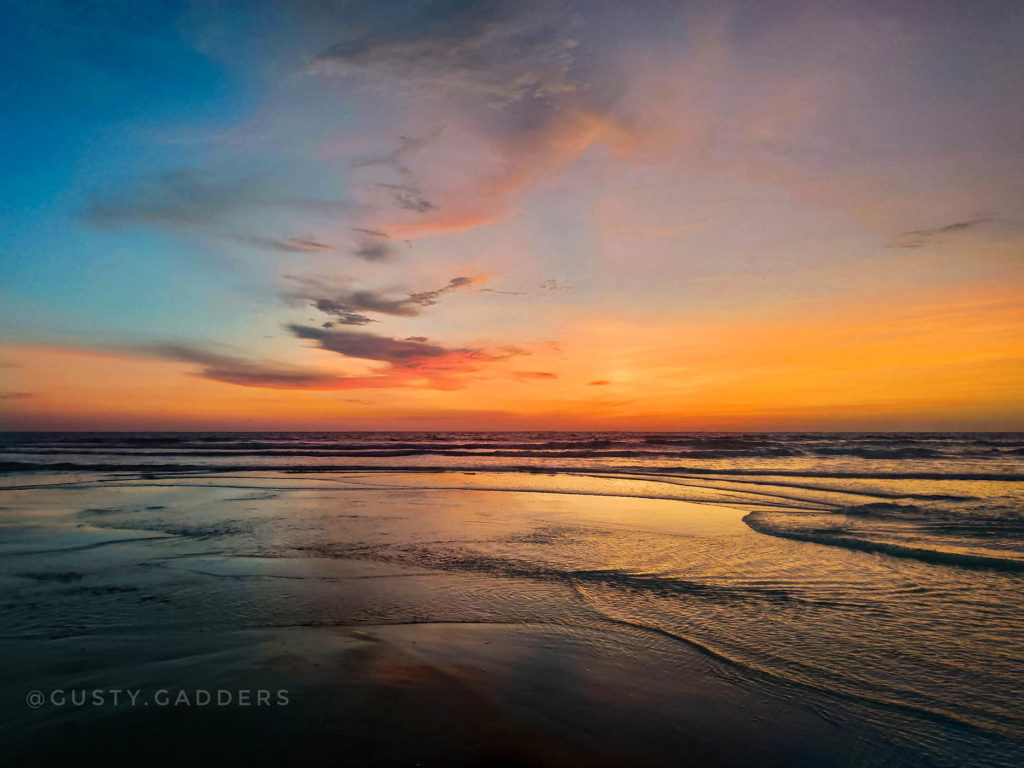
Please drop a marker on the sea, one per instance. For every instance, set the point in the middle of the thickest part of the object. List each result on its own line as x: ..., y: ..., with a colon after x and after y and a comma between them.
x: 881, y: 575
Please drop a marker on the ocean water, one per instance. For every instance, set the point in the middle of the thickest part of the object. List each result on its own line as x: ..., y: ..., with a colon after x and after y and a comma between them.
x: 877, y: 577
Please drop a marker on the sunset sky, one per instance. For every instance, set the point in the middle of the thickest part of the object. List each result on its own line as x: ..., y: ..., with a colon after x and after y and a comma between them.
x: 512, y: 215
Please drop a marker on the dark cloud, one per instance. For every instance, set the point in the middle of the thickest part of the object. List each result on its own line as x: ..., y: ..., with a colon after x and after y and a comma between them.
x: 534, y: 375
x: 599, y: 383
x: 368, y: 346
x: 917, y: 238
x: 421, y: 339
x: 373, y: 250
x: 503, y: 293
x: 409, y: 354
x: 248, y: 373
x: 15, y: 395
x: 347, y: 307
x: 410, y: 363
x: 342, y: 314
x: 429, y: 298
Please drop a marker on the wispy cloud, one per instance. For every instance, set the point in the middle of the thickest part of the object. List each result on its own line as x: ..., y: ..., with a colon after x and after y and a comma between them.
x: 917, y: 238
x: 554, y: 286
x: 503, y: 293
x: 288, y: 245
x: 211, y: 204
x: 185, y: 198
x: 232, y: 369
x: 405, y: 190
x: 534, y: 375
x: 486, y: 51
x: 501, y: 79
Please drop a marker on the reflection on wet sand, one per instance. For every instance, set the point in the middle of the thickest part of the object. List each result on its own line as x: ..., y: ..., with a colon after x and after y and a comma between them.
x: 412, y: 622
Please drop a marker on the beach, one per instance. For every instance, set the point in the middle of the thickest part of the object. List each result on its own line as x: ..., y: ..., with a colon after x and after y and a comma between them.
x: 547, y: 383
x: 399, y: 616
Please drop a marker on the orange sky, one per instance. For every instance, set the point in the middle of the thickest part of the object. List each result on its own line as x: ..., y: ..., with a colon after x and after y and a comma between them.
x: 953, y: 361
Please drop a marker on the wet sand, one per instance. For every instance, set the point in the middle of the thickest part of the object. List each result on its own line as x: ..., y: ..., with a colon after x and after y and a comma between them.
x: 429, y: 694
x: 402, y: 626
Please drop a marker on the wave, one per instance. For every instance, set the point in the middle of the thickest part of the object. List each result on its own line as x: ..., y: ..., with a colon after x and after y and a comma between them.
x: 763, y: 523
x: 881, y: 453
x: 882, y: 509
x: 885, y: 447
x: 653, y: 471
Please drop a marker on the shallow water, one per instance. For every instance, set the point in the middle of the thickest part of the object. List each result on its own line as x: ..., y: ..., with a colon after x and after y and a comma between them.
x: 885, y: 595
x: 948, y: 497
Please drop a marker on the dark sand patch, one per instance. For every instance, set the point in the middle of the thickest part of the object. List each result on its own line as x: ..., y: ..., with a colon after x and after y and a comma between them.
x: 428, y: 694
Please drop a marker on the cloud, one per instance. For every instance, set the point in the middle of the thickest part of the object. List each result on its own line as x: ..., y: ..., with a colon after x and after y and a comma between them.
x: 429, y: 298
x: 534, y: 375
x: 554, y: 286
x: 347, y: 307
x: 212, y: 204
x: 368, y: 346
x: 598, y: 383
x: 476, y: 172
x: 15, y: 395
x: 409, y: 195
x: 177, y: 199
x: 501, y: 79
x: 342, y: 314
x: 503, y: 293
x: 406, y: 192
x: 374, y: 245
x: 247, y: 373
x: 289, y: 245
x: 482, y: 52
x: 373, y: 250
x: 410, y: 361
x: 917, y: 238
